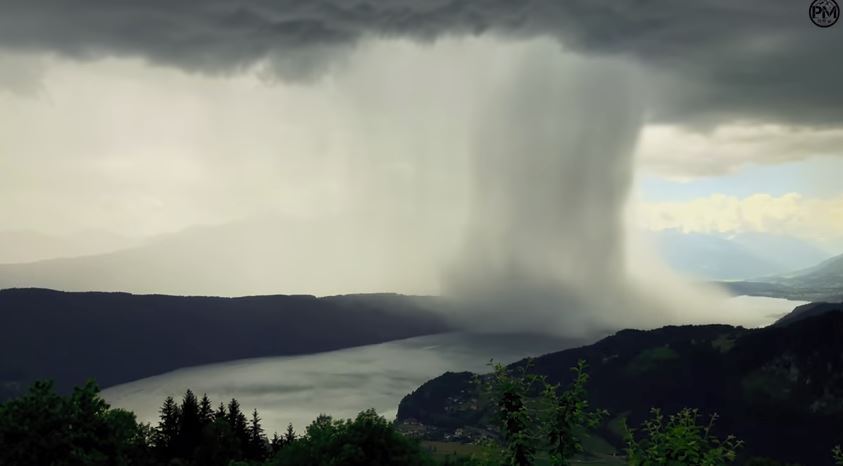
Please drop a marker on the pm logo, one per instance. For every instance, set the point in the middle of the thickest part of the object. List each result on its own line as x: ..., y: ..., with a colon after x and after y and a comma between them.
x: 824, y: 13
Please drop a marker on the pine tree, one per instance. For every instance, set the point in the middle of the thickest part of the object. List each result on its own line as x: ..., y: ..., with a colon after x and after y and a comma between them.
x: 256, y: 447
x: 220, y: 413
x: 206, y: 411
x: 238, y: 424
x: 219, y: 445
x: 190, y: 426
x: 276, y: 443
x: 289, y: 435
x: 168, y: 428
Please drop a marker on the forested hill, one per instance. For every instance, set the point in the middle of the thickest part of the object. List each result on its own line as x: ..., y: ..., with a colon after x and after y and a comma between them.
x: 118, y: 337
x: 778, y: 388
x: 808, y: 310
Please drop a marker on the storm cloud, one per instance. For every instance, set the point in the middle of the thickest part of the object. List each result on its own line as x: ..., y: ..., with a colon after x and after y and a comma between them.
x: 483, y: 150
x: 711, y: 60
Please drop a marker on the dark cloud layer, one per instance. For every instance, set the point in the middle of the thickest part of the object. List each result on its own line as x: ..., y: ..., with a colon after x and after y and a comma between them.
x: 713, y: 59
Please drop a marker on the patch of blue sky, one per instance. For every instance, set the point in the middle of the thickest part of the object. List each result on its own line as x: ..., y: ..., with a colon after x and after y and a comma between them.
x: 820, y: 176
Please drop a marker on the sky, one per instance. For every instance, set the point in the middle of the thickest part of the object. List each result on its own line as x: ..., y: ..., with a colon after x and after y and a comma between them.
x: 801, y: 198
x: 144, y: 120
x: 375, y: 117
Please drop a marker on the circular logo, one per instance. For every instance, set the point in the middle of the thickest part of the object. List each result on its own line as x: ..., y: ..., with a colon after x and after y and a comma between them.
x: 824, y: 13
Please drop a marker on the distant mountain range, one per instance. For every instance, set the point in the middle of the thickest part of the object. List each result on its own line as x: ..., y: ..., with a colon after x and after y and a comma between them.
x: 756, y: 264
x: 780, y: 388
x: 822, y: 282
x: 255, y: 256
x: 29, y: 246
x: 734, y: 257
x: 119, y: 337
x: 288, y: 255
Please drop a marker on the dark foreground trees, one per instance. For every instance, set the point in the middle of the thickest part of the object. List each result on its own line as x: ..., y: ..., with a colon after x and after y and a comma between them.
x: 538, y: 424
x: 367, y: 440
x: 45, y: 429
x: 192, y: 433
x: 544, y: 424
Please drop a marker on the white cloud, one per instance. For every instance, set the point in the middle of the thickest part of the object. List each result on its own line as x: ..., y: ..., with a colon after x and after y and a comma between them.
x: 681, y: 153
x: 817, y: 219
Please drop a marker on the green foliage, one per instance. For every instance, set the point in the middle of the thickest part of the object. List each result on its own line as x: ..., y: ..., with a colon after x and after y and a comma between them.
x: 837, y: 454
x: 515, y: 413
x: 539, y: 423
x: 569, y: 413
x: 42, y: 427
x: 45, y: 428
x: 469, y: 460
x: 679, y: 441
x: 535, y: 416
x: 368, y: 440
x: 652, y: 359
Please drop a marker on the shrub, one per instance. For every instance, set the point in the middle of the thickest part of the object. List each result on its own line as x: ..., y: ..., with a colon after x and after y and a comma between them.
x: 679, y: 441
x: 368, y: 440
x: 535, y: 416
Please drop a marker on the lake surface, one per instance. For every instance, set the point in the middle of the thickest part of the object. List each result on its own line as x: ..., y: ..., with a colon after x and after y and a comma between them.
x: 342, y: 383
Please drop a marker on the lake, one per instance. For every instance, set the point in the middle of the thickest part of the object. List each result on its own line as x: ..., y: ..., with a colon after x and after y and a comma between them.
x: 341, y: 383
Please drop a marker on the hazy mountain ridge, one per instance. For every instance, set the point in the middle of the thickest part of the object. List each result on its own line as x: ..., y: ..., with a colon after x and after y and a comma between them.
x: 779, y: 388
x: 247, y: 257
x: 736, y: 256
x: 265, y: 255
x: 822, y: 282
x: 20, y: 246
x: 118, y: 337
